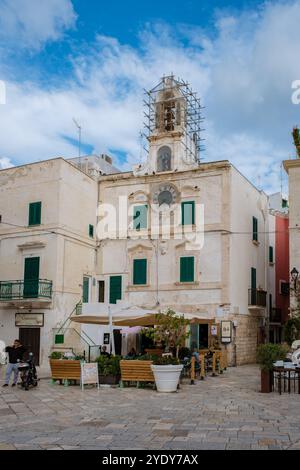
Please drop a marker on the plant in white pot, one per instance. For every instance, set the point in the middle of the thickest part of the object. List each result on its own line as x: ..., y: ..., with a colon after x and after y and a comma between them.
x: 170, y: 330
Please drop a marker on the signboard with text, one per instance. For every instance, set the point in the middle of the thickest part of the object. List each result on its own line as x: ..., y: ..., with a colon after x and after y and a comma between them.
x: 89, y: 374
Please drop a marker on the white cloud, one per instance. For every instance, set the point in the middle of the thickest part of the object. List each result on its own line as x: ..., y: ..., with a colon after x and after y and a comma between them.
x: 243, y: 73
x: 5, y: 163
x: 31, y: 23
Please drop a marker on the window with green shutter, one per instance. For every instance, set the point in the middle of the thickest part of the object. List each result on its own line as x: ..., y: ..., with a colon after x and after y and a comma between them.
x: 59, y: 339
x: 35, y: 210
x: 91, y: 231
x: 115, y: 289
x: 85, y: 290
x: 188, y: 213
x: 140, y: 216
x: 271, y: 254
x: 139, y: 271
x: 254, y: 229
x: 187, y: 264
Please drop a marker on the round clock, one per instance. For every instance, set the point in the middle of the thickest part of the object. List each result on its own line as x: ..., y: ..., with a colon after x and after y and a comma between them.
x: 165, y: 195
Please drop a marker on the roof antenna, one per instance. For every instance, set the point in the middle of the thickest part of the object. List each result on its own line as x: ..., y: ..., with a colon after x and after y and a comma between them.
x: 79, y: 139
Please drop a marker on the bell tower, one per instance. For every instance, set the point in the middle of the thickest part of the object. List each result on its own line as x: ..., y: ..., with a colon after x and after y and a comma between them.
x: 172, y: 128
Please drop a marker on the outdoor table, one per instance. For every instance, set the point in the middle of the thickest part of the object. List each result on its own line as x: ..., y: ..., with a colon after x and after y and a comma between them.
x: 284, y: 375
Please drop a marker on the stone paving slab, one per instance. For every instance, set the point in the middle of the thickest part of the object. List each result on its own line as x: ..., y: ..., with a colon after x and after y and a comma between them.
x: 224, y: 412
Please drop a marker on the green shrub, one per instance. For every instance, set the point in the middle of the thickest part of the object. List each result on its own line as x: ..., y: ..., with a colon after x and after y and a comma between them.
x: 109, y: 365
x: 268, y: 353
x: 166, y: 361
x: 291, y: 330
x: 56, y: 355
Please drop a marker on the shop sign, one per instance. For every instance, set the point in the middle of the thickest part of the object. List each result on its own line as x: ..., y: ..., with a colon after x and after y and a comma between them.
x: 29, y: 319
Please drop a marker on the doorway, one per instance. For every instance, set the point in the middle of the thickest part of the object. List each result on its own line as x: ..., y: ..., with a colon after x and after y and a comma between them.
x: 118, y: 342
x: 30, y: 339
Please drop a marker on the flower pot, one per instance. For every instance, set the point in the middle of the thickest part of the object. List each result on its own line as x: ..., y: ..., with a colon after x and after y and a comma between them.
x: 109, y: 379
x: 167, y: 377
x: 266, y: 381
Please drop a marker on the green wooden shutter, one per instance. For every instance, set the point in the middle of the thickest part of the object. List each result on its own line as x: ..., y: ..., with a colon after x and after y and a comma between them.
x: 253, y: 287
x: 187, y: 269
x: 35, y: 210
x: 115, y: 289
x: 188, y: 213
x: 85, y: 290
x: 140, y: 215
x: 91, y: 231
x: 254, y: 229
x: 194, y: 338
x: 139, y: 271
x: 271, y: 254
x: 31, y: 277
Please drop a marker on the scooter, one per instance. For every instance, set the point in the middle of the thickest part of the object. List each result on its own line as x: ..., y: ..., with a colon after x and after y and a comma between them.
x: 28, y: 373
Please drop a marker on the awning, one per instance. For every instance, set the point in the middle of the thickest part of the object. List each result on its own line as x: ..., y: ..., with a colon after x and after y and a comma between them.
x: 128, y: 317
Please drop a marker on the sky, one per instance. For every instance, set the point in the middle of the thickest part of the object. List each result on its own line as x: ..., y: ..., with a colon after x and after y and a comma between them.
x: 91, y: 60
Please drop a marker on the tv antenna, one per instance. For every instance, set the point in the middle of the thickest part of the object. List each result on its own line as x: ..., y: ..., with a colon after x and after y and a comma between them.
x: 79, y: 138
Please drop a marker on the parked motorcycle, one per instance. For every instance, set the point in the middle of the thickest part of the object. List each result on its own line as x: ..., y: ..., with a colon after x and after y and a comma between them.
x: 28, y: 373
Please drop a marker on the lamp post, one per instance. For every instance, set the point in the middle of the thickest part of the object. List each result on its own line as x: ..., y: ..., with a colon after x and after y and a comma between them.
x: 294, y: 276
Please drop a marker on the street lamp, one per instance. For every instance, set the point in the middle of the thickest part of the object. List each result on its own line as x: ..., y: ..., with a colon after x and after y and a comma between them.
x: 294, y: 276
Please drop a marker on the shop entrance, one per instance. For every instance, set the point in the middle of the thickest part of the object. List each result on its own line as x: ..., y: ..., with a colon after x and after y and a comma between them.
x: 30, y: 339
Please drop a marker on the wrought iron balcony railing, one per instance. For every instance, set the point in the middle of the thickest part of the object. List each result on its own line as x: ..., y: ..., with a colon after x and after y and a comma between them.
x: 29, y: 289
x: 257, y: 298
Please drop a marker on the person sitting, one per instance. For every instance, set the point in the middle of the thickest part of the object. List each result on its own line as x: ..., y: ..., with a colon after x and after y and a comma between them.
x: 103, y: 352
x: 132, y: 353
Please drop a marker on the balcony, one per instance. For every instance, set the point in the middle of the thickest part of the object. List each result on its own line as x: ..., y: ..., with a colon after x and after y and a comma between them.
x: 275, y: 315
x: 27, y: 292
x: 257, y: 299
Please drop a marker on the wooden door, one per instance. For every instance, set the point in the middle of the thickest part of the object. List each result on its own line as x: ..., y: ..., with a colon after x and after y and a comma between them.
x: 30, y: 339
x: 31, y: 277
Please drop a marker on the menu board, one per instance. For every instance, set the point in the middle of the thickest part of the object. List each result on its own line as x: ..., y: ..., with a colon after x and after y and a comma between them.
x: 89, y: 374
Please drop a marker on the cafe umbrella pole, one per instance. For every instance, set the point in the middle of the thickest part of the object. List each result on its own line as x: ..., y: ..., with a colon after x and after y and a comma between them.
x: 111, y: 333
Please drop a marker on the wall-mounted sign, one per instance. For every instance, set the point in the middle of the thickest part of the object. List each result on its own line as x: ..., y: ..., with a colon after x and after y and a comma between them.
x: 29, y: 319
x: 214, y: 330
x: 89, y: 374
x: 226, y: 331
x: 106, y: 338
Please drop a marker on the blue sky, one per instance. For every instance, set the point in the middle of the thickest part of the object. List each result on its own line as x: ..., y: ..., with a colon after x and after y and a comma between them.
x: 91, y: 60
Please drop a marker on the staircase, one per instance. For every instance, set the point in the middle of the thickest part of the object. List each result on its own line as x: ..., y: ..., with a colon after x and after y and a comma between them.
x: 70, y: 339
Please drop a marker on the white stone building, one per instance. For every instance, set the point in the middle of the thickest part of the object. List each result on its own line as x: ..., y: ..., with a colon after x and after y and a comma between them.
x: 54, y: 212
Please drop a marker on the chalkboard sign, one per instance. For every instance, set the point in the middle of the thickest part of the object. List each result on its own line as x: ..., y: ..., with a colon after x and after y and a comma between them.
x: 89, y: 374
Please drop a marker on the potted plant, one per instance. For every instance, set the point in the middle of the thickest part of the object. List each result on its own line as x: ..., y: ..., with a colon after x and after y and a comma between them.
x: 266, y: 355
x: 109, y: 369
x: 170, y: 330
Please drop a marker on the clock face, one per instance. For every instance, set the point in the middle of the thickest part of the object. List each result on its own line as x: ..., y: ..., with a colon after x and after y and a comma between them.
x: 165, y: 195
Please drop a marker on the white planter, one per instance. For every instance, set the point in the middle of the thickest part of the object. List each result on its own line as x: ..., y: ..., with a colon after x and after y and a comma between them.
x: 167, y: 377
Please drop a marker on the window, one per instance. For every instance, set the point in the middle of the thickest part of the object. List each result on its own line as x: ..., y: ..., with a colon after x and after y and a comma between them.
x: 271, y: 254
x: 188, y: 213
x: 164, y: 158
x: 85, y: 290
x: 115, y: 289
x: 284, y: 288
x: 139, y: 271
x: 253, y: 294
x: 254, y: 229
x: 101, y: 291
x: 187, y: 269
x: 140, y: 215
x: 35, y: 209
x: 91, y: 231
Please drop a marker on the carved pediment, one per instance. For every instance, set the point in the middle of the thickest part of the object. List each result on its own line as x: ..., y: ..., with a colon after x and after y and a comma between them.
x: 139, y: 249
x: 32, y: 245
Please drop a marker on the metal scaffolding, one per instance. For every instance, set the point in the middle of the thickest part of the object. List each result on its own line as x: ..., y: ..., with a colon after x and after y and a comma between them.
x: 190, y: 125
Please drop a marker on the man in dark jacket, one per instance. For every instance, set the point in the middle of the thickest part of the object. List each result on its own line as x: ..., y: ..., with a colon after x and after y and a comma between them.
x: 15, y: 354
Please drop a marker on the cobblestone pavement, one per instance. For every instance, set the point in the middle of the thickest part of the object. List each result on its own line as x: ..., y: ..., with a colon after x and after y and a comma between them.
x: 224, y: 412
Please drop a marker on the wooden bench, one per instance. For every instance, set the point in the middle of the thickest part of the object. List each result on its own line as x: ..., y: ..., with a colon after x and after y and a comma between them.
x: 62, y: 369
x: 136, y: 371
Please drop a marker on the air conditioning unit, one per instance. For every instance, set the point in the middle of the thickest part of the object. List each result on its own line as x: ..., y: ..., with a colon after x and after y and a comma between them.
x: 284, y: 288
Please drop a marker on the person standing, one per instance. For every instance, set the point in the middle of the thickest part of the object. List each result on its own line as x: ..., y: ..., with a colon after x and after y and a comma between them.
x: 15, y: 354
